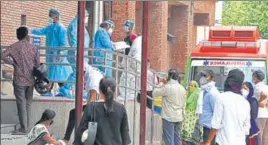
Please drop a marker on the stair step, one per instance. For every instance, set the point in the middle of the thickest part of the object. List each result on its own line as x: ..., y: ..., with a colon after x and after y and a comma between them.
x: 8, y: 128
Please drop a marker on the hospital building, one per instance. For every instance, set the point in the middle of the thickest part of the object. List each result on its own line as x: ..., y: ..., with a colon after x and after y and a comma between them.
x: 172, y: 30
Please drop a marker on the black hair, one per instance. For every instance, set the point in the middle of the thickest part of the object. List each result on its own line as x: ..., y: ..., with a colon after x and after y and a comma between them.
x: 173, y: 74
x: 234, y: 81
x: 22, y: 32
x: 47, y: 115
x: 259, y: 75
x: 107, y: 87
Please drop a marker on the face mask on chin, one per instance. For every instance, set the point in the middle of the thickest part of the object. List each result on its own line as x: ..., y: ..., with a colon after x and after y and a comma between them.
x: 245, y: 93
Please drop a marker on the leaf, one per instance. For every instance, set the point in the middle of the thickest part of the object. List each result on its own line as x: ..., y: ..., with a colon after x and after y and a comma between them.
x: 243, y: 13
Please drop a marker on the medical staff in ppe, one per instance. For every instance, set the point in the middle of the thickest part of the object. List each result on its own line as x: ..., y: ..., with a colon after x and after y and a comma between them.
x: 55, y: 33
x: 103, y: 41
x: 127, y: 79
x: 131, y: 36
x: 72, y: 39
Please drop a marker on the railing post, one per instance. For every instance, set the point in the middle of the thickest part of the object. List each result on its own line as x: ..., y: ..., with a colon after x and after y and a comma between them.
x: 126, y: 81
x: 79, y: 63
x: 152, y: 114
x: 145, y: 30
x: 116, y: 74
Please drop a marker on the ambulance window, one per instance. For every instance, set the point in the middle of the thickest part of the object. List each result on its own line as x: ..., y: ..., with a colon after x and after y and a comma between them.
x: 220, y: 75
x: 221, y: 69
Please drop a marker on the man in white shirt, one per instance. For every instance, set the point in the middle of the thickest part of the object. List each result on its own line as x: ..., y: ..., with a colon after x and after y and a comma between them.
x: 92, y: 77
x: 231, y: 118
x: 173, y: 106
x: 151, y: 80
x: 261, y: 94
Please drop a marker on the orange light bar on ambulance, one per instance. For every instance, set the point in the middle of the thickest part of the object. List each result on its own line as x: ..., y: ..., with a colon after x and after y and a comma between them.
x: 230, y: 46
x: 234, y: 33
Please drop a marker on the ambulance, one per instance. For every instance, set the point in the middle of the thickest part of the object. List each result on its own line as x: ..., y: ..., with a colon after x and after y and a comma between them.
x: 227, y: 48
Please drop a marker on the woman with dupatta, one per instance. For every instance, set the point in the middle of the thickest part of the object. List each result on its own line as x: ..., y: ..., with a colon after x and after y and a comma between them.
x: 191, y: 132
x: 248, y: 93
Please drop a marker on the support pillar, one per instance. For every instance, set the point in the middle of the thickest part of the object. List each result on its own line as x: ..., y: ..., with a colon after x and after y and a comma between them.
x: 179, y: 27
x: 80, y: 63
x: 157, y: 49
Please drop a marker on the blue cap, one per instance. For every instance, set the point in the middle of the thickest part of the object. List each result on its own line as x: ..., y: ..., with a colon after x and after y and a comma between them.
x: 54, y: 11
x: 129, y: 23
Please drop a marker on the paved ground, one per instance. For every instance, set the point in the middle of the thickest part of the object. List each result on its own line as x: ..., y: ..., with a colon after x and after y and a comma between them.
x: 8, y: 139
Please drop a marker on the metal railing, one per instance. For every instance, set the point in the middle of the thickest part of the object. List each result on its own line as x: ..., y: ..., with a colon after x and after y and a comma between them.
x: 131, y: 69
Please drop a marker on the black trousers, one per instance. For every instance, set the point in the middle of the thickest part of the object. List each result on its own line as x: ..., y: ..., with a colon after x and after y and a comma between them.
x: 71, y: 124
x: 148, y: 100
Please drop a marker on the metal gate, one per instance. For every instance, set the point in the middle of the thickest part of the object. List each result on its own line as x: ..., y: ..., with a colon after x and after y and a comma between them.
x: 153, y: 120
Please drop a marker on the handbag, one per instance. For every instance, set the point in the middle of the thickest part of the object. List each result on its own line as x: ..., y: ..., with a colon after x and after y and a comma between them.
x: 92, y: 125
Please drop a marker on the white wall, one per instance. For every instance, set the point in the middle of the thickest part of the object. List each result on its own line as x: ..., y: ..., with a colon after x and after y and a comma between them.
x: 218, y: 13
x: 202, y: 33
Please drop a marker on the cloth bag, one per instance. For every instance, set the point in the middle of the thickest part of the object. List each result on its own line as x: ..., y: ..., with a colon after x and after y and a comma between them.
x: 89, y: 135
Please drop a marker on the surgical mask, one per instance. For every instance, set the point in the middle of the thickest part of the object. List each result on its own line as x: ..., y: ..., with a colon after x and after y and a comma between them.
x: 110, y: 31
x: 126, y: 29
x: 50, y: 20
x: 86, y: 20
x: 203, y: 81
x: 245, y: 93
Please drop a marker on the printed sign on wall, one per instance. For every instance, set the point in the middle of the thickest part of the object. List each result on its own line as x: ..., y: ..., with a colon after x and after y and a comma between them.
x: 36, y: 41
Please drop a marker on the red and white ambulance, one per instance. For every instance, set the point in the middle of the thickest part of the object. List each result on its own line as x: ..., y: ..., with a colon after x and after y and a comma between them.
x: 228, y: 48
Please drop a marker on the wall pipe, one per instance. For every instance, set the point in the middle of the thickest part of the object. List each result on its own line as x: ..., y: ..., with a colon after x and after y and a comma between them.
x: 97, y: 18
x: 145, y: 32
x: 80, y: 63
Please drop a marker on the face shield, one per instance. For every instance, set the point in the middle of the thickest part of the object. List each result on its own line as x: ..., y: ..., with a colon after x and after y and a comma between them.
x: 126, y: 29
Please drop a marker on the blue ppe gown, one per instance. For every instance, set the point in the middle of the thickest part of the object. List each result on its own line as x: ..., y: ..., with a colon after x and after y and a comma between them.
x: 55, y: 37
x: 103, y: 41
x: 72, y: 39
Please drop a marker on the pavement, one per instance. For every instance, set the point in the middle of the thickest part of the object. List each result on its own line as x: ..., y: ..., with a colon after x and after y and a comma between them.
x: 8, y: 139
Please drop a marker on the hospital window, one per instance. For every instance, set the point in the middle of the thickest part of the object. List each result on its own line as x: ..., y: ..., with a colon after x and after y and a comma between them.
x: 23, y: 20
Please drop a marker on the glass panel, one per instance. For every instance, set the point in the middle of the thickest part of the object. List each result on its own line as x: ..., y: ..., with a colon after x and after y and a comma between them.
x: 221, y: 34
x: 244, y: 34
x: 221, y: 69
